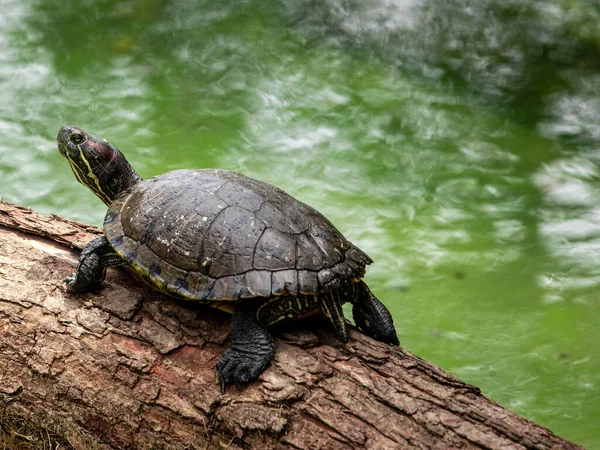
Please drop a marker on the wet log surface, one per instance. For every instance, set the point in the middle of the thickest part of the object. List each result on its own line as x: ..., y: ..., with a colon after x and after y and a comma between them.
x: 130, y: 368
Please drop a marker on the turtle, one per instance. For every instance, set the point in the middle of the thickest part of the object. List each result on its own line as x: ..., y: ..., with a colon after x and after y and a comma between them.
x: 224, y: 240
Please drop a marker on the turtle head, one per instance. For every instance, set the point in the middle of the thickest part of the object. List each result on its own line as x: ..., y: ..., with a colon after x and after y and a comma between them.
x: 96, y: 164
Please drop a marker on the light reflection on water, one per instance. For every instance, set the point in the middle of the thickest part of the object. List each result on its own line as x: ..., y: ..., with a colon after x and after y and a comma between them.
x: 457, y: 143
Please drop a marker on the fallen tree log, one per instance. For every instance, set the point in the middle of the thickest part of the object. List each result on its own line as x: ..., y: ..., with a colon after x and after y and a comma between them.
x: 130, y: 368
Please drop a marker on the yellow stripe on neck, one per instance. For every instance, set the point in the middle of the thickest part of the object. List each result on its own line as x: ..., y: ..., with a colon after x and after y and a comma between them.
x: 89, y: 176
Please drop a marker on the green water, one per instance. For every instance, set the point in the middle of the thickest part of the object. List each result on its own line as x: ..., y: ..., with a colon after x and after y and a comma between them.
x: 457, y: 142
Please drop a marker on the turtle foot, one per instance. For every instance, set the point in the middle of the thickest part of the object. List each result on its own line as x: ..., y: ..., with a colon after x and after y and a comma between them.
x: 75, y: 284
x: 373, y: 318
x: 240, y: 367
x: 251, y: 349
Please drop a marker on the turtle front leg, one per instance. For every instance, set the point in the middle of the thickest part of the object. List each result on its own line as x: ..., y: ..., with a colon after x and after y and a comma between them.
x: 372, y: 317
x: 91, y: 270
x: 251, y: 350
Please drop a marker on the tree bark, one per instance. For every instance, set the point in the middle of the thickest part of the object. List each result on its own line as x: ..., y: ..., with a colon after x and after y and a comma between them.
x: 129, y: 368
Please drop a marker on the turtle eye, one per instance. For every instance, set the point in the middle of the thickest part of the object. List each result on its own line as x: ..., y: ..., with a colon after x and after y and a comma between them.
x: 77, y: 138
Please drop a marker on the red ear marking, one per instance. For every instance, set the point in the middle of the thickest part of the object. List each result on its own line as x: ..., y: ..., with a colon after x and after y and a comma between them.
x: 104, y: 150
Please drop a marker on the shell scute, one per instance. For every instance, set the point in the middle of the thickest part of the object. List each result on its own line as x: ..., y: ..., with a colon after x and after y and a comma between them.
x: 285, y: 282
x: 275, y: 251
x: 230, y: 241
x: 259, y: 283
x: 307, y: 279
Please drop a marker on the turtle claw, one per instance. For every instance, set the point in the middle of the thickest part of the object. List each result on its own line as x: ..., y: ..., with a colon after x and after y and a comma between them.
x: 70, y: 281
x: 239, y: 368
x: 75, y: 284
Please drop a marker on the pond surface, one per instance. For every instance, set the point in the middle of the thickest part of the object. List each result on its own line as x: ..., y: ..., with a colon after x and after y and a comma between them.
x: 457, y: 142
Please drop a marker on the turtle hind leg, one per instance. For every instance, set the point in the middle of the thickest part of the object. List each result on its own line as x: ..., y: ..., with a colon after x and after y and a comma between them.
x: 251, y: 350
x: 332, y: 308
x: 372, y: 317
x: 91, y: 270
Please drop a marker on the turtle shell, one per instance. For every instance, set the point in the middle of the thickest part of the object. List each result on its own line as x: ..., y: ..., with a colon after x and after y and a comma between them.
x: 218, y: 235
